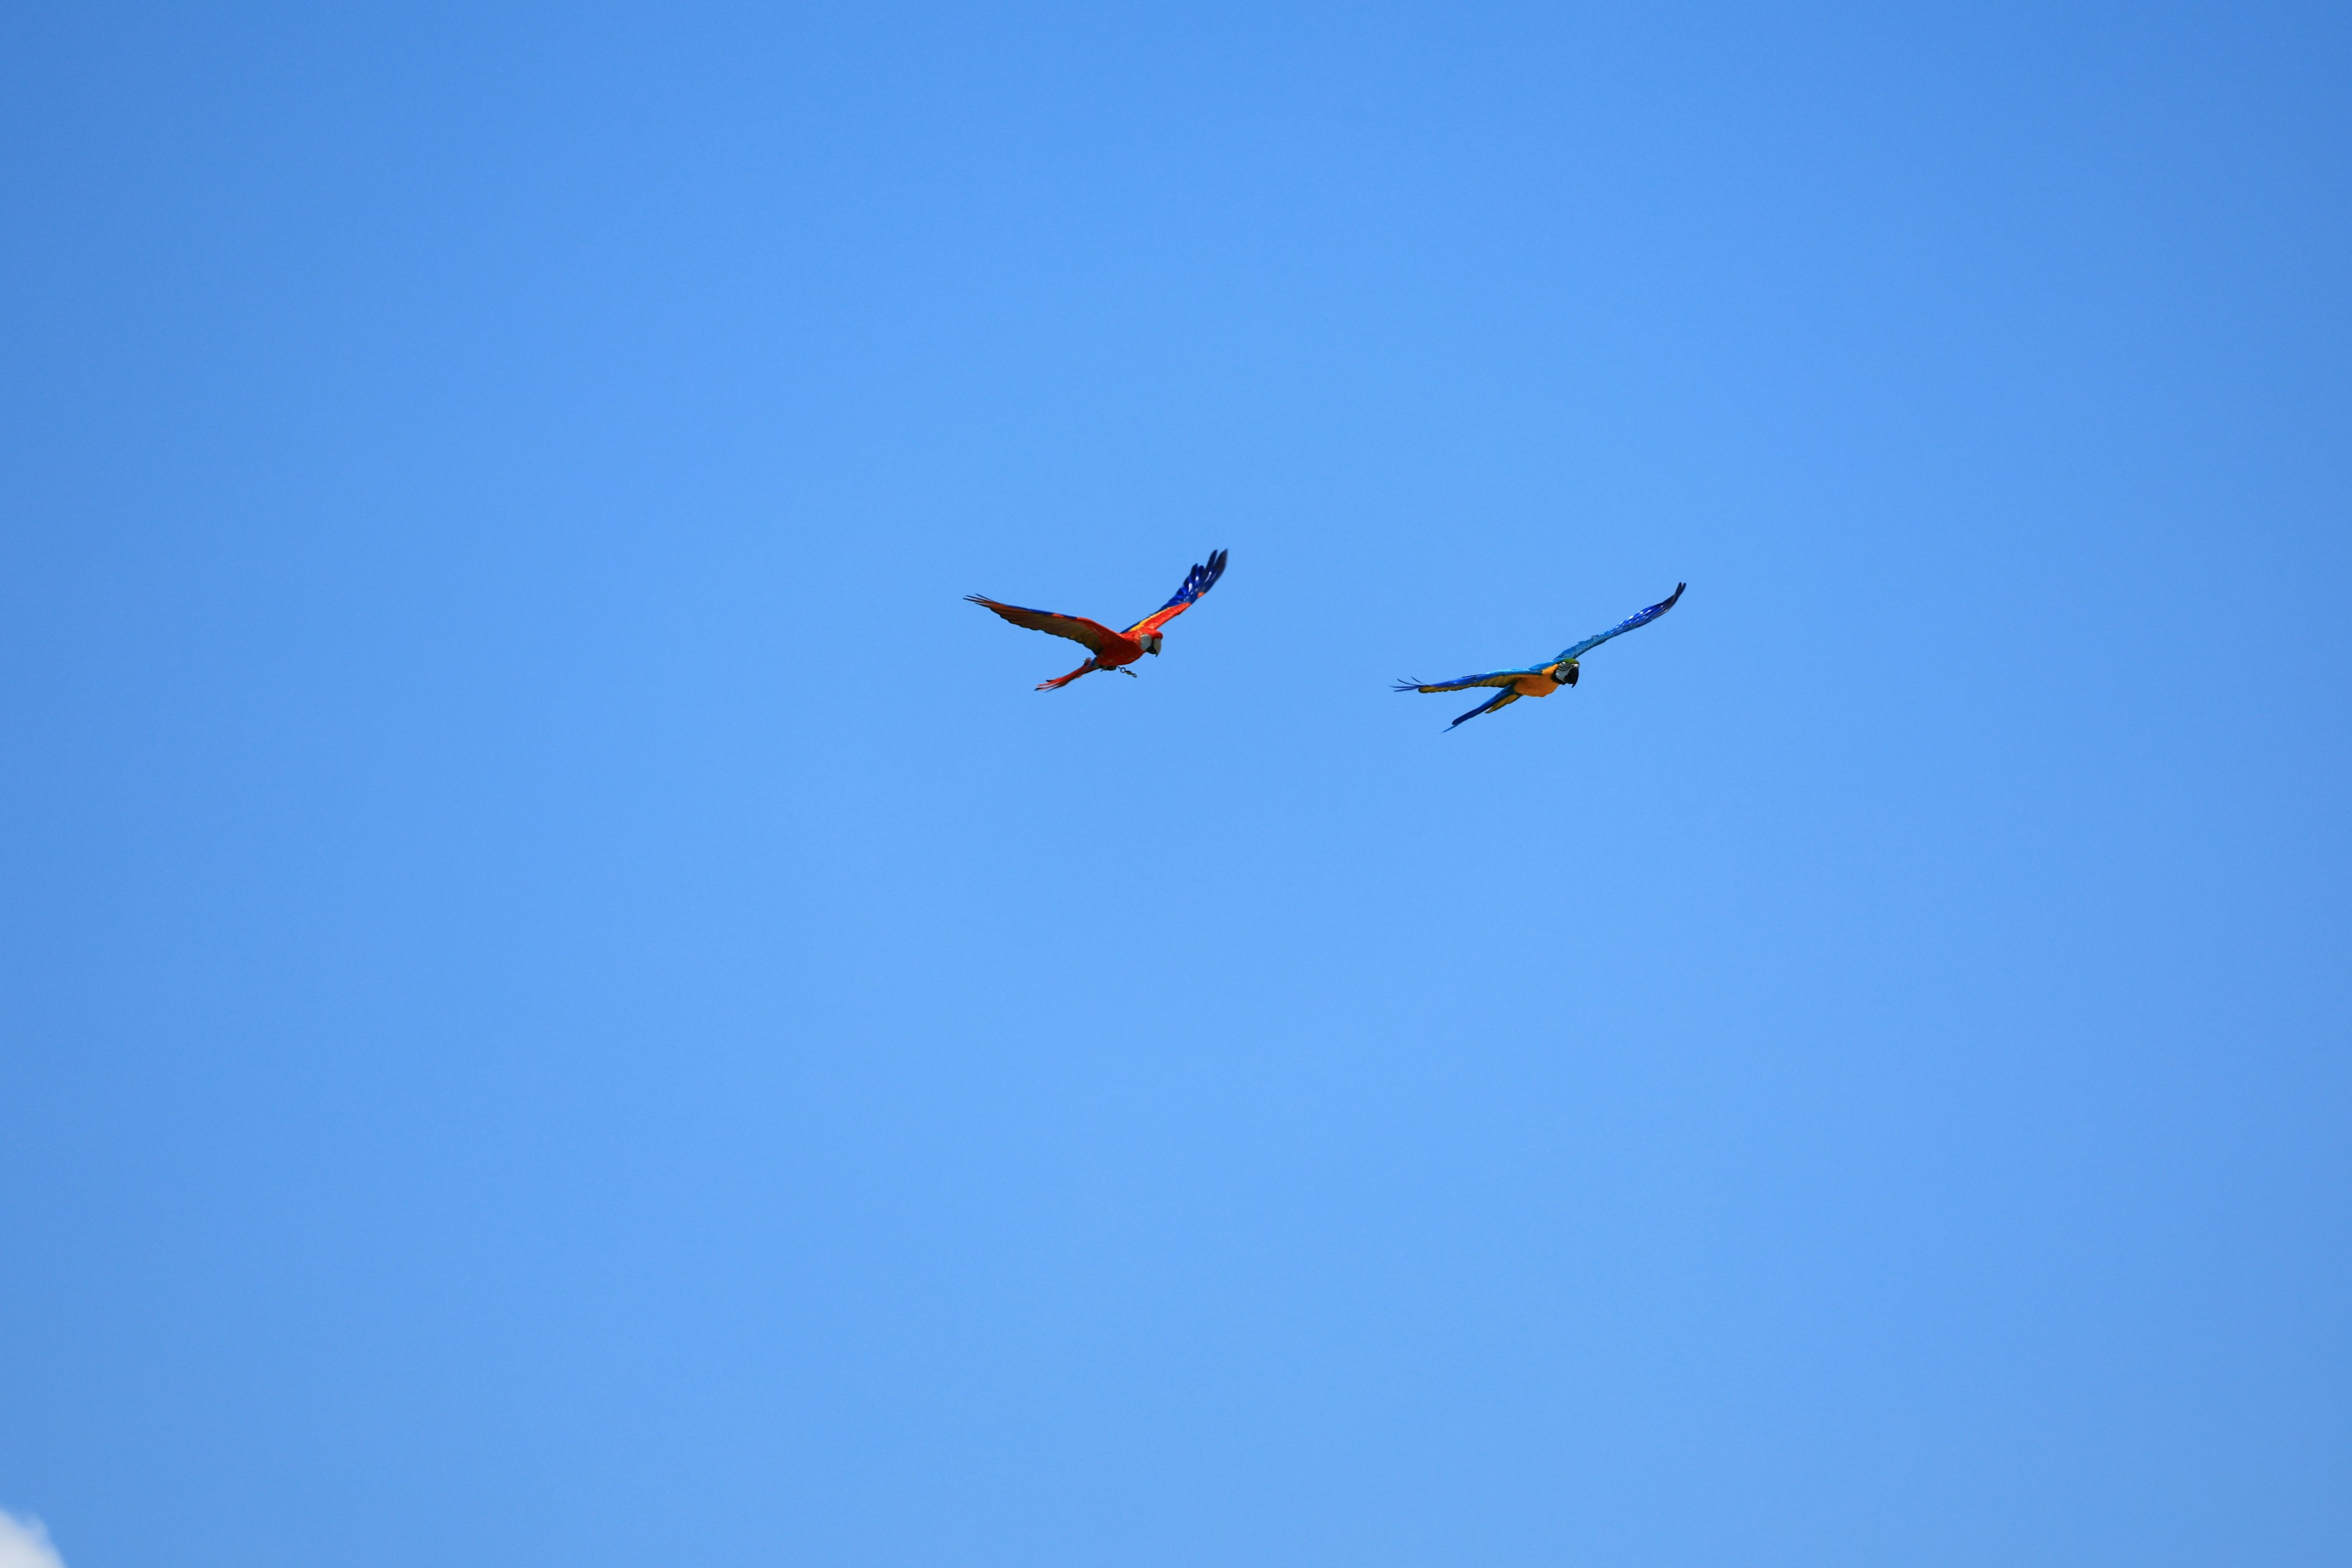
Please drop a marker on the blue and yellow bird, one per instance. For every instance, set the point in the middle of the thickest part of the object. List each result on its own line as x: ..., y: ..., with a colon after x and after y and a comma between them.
x: 1540, y: 680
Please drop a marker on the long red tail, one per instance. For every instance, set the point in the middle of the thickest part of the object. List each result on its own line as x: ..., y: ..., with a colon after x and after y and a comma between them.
x: 1061, y: 681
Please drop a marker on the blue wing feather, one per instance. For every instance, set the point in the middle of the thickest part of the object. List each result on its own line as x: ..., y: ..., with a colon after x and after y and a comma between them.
x: 1197, y: 582
x: 1491, y: 677
x: 1622, y: 627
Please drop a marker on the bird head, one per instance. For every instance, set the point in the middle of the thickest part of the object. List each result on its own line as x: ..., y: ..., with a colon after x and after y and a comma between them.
x: 1151, y: 642
x: 1564, y: 674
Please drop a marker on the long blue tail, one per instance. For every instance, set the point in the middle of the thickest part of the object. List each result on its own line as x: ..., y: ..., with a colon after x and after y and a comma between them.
x: 1505, y: 695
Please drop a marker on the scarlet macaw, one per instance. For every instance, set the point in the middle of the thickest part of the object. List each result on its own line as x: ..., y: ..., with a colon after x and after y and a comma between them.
x: 1111, y: 650
x: 1541, y: 679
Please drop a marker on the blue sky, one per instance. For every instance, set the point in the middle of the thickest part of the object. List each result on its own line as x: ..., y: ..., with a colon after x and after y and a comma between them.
x: 563, y: 1001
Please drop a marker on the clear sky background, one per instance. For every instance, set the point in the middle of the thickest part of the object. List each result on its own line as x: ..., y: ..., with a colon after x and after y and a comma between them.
x: 563, y: 1001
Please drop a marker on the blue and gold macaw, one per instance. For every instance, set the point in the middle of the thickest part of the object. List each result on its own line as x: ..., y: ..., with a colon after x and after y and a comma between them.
x: 1541, y: 679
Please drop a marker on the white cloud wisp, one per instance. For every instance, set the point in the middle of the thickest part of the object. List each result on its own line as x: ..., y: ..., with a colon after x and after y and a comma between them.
x: 24, y: 1544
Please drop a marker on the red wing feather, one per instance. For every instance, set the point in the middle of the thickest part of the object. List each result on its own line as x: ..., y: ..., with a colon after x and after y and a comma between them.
x: 1092, y: 635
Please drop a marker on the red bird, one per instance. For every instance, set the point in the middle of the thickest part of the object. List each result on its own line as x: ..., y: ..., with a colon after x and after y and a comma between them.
x: 1111, y: 650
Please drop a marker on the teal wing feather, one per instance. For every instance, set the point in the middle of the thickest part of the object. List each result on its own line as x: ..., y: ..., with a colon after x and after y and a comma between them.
x: 1622, y: 627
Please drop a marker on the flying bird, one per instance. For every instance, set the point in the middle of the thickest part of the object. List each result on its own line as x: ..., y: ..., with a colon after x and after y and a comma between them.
x: 1540, y: 680
x: 1111, y: 650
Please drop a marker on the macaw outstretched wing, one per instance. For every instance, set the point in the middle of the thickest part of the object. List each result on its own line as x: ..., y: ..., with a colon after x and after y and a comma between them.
x: 1506, y: 679
x: 1493, y: 678
x: 1094, y: 635
x: 1622, y: 627
x: 1197, y: 582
